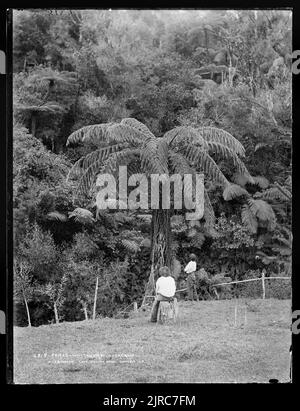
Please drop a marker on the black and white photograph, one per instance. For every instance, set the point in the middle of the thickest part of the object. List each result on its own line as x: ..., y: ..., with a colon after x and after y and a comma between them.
x: 152, y: 196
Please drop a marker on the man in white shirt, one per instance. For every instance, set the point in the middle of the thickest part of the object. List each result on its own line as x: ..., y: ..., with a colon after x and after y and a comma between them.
x: 165, y: 290
x: 190, y: 270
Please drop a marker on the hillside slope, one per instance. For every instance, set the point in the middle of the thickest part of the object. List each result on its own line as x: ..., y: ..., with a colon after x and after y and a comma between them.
x: 204, y: 346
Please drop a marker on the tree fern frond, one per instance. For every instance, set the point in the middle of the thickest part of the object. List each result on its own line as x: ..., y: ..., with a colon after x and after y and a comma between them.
x: 119, y: 158
x: 260, y: 146
x: 198, y: 239
x: 101, y: 154
x: 134, y: 167
x: 209, y: 214
x: 273, y: 194
x: 232, y: 191
x: 227, y: 153
x: 202, y: 159
x: 262, y: 210
x: 213, y: 134
x: 76, y: 169
x: 134, y: 123
x: 284, y: 241
x: 150, y: 159
x: 130, y: 245
x: 120, y: 133
x: 240, y: 179
x: 249, y: 219
x: 285, y: 190
x: 163, y: 151
x: 283, y: 251
x: 179, y: 163
x: 183, y: 134
x: 262, y: 182
x: 108, y: 166
x: 288, y: 183
x: 110, y: 203
x: 56, y: 216
x: 96, y: 156
x: 95, y: 133
x: 287, y: 232
x: 82, y: 215
x: 48, y: 107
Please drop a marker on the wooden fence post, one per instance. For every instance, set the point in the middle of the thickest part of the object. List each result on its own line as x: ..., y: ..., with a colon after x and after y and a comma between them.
x: 55, y: 313
x: 135, y: 307
x: 263, y: 285
x: 95, y: 299
x: 235, y: 313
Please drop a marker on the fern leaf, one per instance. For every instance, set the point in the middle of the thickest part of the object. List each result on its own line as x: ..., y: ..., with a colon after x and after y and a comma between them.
x: 109, y: 166
x: 163, y: 154
x: 76, y: 169
x: 216, y: 135
x: 262, y: 182
x: 183, y: 134
x: 273, y: 193
x: 121, y: 133
x: 262, y: 210
x: 56, y: 216
x: 132, y: 122
x: 232, y: 191
x: 209, y: 214
x: 240, y: 179
x: 179, y: 163
x: 101, y: 154
x: 202, y: 159
x: 249, y: 219
x: 82, y: 216
x: 95, y: 133
x: 229, y: 154
x: 150, y: 158
x: 198, y: 239
x: 260, y: 146
x: 96, y: 156
x: 130, y: 246
x: 283, y: 251
x: 285, y: 190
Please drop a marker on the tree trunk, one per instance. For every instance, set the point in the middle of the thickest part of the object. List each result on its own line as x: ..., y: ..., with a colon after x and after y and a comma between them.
x: 95, y: 299
x: 55, y: 313
x: 27, y: 310
x: 160, y: 246
x: 33, y: 124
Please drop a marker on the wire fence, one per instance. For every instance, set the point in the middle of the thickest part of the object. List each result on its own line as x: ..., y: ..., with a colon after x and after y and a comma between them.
x: 258, y: 287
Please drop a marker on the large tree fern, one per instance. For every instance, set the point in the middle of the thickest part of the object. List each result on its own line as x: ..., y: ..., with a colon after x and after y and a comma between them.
x: 181, y: 150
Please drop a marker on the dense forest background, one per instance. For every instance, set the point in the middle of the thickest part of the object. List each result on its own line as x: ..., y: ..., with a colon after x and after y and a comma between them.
x: 165, y: 68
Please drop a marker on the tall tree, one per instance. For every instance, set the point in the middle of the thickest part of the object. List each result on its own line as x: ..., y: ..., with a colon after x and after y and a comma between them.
x: 182, y: 150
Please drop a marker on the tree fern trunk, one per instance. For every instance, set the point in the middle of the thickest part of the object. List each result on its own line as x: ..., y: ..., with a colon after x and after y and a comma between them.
x: 160, y: 247
x: 33, y: 124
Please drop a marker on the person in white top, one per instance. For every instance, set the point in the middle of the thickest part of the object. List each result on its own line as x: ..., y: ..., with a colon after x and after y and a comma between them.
x: 190, y: 270
x: 165, y: 290
x: 191, y: 266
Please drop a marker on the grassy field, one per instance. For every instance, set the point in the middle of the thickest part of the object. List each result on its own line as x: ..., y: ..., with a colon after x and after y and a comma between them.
x: 204, y: 345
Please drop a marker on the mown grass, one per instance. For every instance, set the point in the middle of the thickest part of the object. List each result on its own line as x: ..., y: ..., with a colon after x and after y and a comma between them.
x: 203, y: 346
